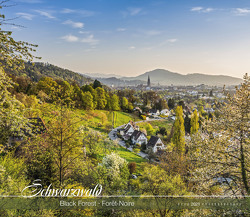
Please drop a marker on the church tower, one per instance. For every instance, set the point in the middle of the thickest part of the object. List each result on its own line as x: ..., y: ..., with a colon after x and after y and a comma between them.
x: 149, y: 84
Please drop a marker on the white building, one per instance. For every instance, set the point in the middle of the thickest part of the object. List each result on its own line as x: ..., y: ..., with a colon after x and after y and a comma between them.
x: 156, y: 144
x: 139, y: 137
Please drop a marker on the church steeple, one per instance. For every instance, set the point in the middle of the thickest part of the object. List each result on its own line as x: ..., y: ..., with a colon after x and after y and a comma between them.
x: 149, y: 84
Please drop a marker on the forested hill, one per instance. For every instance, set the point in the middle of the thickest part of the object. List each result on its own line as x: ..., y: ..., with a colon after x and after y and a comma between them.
x: 38, y: 70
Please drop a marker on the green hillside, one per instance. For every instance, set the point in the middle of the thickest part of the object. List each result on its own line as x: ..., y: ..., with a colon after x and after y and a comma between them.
x: 38, y: 70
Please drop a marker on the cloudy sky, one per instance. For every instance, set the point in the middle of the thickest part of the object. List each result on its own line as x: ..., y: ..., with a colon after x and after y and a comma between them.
x: 130, y: 37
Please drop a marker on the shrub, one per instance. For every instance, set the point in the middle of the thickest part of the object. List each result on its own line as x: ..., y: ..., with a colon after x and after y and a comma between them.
x: 136, y: 150
x: 132, y: 167
x: 127, y: 144
x: 137, y: 145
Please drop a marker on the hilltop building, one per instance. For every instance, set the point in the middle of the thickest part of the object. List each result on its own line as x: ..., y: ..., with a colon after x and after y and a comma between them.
x: 149, y: 83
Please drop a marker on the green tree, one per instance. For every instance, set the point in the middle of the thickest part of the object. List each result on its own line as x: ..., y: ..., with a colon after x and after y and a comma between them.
x: 187, y: 124
x: 221, y: 150
x: 155, y: 182
x: 64, y: 93
x: 77, y: 96
x: 48, y: 86
x: 12, y: 118
x: 115, y: 103
x: 100, y: 98
x: 87, y: 99
x: 12, y: 56
x: 95, y: 143
x: 179, y: 131
x: 64, y: 139
x: 12, y: 175
x: 38, y: 157
x: 124, y: 103
x: 171, y: 103
x: 109, y: 101
x: 116, y: 172
x: 13, y: 53
x: 97, y: 84
x: 194, y: 122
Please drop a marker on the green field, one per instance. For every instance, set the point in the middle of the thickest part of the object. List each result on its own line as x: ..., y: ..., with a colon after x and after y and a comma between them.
x: 153, y: 126
x: 130, y: 156
x: 102, y: 118
x: 164, y: 123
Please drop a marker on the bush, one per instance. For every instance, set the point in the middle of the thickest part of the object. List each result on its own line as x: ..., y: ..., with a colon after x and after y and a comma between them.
x: 132, y: 167
x: 127, y: 144
x: 136, y: 150
x: 137, y: 146
x: 143, y: 117
x: 163, y: 131
x: 119, y: 135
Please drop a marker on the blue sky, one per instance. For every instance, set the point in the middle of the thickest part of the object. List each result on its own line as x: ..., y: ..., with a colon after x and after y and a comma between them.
x: 130, y: 37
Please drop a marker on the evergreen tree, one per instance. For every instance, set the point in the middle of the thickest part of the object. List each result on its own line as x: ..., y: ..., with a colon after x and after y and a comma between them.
x: 187, y: 123
x: 171, y: 103
x: 194, y: 122
x: 97, y: 84
x: 179, y: 131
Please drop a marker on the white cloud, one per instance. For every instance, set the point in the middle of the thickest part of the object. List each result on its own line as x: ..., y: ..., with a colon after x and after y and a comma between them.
x: 120, y: 29
x: 134, y: 11
x: 25, y: 15
x: 45, y: 14
x: 67, y: 11
x: 207, y: 10
x: 131, y: 48
x: 16, y: 28
x: 84, y: 13
x: 84, y: 32
x: 30, y: 1
x: 70, y: 38
x: 172, y: 40
x: 242, y: 11
x: 196, y: 8
x: 90, y: 40
x: 74, y: 24
x: 202, y: 9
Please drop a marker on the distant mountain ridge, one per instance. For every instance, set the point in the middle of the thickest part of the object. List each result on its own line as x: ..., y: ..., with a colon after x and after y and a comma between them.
x: 165, y: 77
x: 100, y: 75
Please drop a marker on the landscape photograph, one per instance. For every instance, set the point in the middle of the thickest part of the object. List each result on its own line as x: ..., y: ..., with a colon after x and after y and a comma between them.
x: 124, y: 108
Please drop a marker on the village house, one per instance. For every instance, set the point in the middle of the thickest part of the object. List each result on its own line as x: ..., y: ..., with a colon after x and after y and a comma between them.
x: 128, y: 130
x: 165, y: 112
x: 156, y: 144
x: 139, y: 137
x: 153, y: 112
